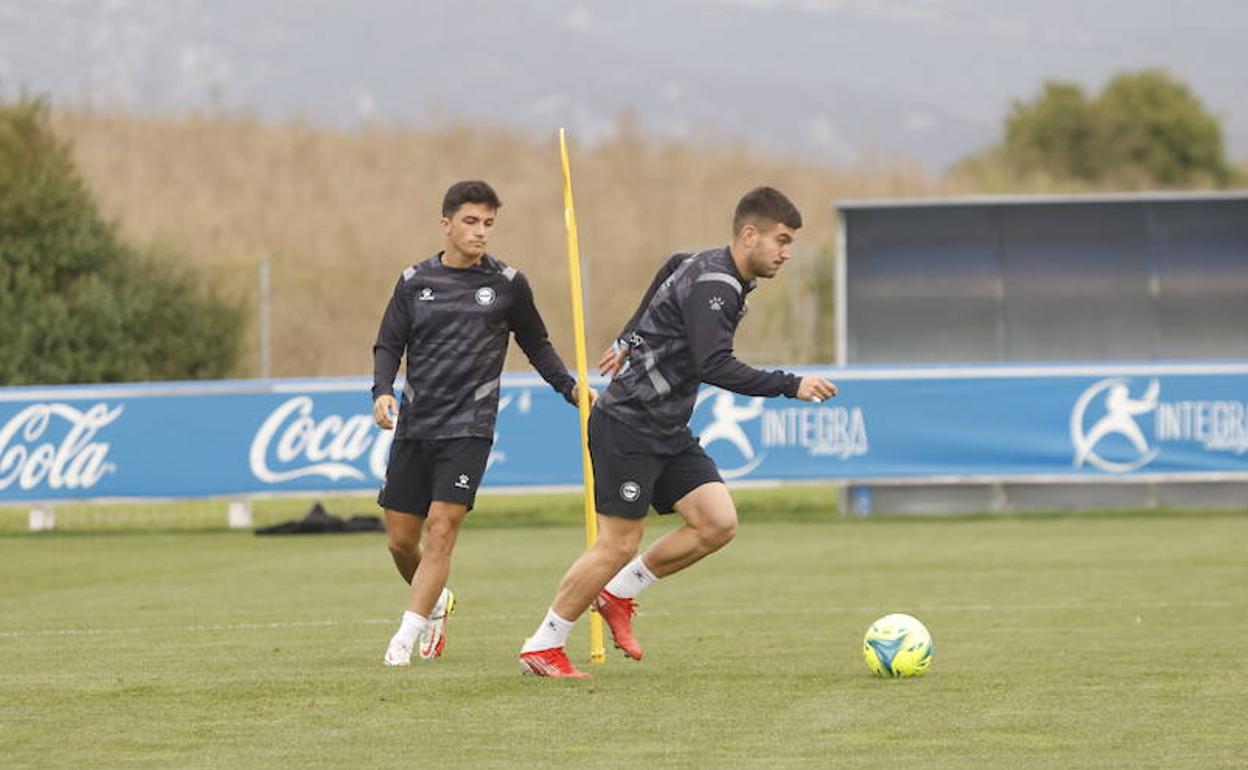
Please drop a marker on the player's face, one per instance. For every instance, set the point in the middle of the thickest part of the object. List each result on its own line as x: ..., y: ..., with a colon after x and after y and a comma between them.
x: 468, y: 229
x: 770, y: 246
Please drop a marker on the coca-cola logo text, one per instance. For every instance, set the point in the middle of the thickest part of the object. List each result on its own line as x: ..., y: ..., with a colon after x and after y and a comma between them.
x: 291, y: 444
x: 76, y: 462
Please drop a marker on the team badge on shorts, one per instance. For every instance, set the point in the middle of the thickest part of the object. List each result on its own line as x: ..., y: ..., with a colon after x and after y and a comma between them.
x: 630, y: 491
x: 485, y: 296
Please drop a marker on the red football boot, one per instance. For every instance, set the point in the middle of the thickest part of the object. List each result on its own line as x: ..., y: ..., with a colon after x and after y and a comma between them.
x: 552, y: 663
x: 619, y: 616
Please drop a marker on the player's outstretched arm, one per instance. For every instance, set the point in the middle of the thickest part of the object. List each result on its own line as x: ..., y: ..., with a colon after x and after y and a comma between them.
x: 708, y: 314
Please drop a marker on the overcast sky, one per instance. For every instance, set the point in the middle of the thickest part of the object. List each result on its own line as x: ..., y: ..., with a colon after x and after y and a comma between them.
x: 833, y: 80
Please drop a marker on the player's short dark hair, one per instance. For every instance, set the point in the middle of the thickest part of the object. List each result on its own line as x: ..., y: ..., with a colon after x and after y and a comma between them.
x: 470, y: 191
x: 766, y: 203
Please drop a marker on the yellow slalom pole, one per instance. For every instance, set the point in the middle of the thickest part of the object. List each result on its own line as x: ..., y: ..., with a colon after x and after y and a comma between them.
x: 597, y: 654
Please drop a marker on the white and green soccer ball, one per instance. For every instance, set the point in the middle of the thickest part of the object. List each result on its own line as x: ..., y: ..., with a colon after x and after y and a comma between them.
x: 897, y: 645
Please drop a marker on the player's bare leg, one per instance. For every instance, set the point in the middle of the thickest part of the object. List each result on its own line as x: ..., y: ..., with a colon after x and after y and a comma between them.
x: 420, y: 622
x: 617, y: 542
x: 441, y: 532
x: 403, y: 539
x: 710, y: 523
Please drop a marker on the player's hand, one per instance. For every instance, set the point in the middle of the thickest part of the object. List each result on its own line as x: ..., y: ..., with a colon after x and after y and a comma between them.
x: 815, y: 389
x: 611, y: 361
x: 384, y: 410
x: 576, y: 393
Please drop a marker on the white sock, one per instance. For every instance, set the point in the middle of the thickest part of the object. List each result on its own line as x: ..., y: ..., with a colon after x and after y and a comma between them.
x: 553, y: 632
x: 411, y: 627
x: 631, y: 580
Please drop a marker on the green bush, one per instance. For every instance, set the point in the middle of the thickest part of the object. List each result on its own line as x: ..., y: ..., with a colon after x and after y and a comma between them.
x: 76, y: 303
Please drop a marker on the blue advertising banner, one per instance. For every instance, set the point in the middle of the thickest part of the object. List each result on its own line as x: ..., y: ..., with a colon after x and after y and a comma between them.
x: 942, y: 423
x: 999, y: 422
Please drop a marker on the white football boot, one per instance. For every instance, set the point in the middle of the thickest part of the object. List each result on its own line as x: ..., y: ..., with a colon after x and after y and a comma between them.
x: 433, y: 641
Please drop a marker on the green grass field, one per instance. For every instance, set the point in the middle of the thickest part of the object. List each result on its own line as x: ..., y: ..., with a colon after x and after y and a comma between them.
x: 1061, y: 642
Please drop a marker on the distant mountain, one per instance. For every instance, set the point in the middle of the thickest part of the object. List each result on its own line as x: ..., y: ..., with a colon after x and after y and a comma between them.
x: 839, y: 81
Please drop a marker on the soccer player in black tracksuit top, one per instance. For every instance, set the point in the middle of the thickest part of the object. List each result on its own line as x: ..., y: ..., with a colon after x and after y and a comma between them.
x: 452, y: 315
x: 642, y: 449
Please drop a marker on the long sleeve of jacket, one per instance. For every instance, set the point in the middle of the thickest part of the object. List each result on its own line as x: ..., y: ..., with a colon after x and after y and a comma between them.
x: 391, y: 343
x: 530, y: 332
x: 709, y: 314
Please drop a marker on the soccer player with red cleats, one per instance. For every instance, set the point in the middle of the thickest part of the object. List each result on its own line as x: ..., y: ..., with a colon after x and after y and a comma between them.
x: 644, y: 454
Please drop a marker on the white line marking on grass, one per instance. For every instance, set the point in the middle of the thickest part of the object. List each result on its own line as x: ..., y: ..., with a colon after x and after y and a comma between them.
x: 831, y: 610
x: 190, y: 629
x: 1107, y: 605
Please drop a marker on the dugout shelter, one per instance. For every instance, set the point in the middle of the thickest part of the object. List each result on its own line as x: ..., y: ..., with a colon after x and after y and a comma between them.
x: 1043, y: 279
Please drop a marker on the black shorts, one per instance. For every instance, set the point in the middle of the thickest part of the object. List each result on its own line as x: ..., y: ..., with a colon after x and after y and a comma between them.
x: 423, y: 470
x: 630, y: 476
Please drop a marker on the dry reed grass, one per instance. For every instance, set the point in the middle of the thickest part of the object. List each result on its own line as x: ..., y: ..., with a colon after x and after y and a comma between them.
x: 341, y: 214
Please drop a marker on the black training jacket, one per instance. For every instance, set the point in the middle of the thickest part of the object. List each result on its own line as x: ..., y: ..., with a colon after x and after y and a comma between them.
x: 680, y: 337
x: 453, y: 324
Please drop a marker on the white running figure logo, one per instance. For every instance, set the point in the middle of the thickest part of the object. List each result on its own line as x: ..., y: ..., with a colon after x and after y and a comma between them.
x: 1120, y: 413
x: 727, y: 427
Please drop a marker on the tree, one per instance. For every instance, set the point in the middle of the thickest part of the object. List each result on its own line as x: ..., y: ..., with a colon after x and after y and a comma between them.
x: 76, y: 303
x: 1056, y: 133
x: 1153, y: 126
x: 1145, y: 128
